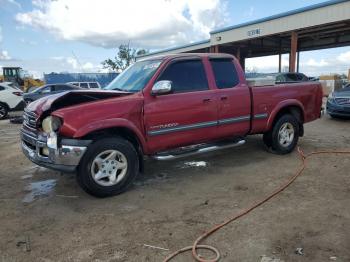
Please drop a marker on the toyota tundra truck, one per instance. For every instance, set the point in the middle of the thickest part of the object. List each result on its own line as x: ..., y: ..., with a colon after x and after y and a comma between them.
x: 164, y: 108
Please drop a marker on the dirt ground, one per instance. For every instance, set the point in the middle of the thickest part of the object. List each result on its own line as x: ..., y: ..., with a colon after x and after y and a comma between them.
x: 174, y: 202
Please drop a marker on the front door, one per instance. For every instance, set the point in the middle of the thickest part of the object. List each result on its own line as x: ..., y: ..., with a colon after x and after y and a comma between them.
x: 188, y: 115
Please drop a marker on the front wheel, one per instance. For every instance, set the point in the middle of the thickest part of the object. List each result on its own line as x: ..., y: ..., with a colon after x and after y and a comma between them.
x: 108, y: 167
x: 284, y: 136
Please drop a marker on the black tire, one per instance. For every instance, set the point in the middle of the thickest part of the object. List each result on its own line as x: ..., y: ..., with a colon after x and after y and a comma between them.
x: 271, y: 138
x: 4, y: 110
x: 85, y: 176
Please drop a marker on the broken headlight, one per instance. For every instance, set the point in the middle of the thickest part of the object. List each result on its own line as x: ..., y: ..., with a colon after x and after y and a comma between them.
x: 51, y: 124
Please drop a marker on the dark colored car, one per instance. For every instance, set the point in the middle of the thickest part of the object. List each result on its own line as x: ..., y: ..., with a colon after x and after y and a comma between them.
x: 47, y: 90
x: 338, y: 103
x: 291, y: 78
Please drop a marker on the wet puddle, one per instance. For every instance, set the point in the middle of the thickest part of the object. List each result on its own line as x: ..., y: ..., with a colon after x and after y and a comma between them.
x: 194, y: 164
x: 26, y: 176
x: 39, y: 189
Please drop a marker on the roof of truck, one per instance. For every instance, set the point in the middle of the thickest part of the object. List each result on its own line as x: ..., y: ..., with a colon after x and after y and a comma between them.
x: 180, y: 55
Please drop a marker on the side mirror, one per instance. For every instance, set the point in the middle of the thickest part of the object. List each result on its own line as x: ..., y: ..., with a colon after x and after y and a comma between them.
x: 161, y: 88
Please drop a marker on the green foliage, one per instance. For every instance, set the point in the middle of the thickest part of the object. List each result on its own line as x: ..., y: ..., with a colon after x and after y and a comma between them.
x: 125, y: 57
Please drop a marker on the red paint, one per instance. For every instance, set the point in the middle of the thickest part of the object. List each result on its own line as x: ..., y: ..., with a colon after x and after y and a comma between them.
x: 142, y: 112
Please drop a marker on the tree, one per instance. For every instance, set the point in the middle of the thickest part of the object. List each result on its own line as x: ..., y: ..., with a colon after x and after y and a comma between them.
x: 125, y: 57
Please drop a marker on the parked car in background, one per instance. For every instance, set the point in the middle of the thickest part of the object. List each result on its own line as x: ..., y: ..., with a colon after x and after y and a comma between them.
x: 338, y: 103
x: 10, y: 99
x: 94, y: 85
x: 312, y: 78
x: 291, y: 78
x: 47, y: 90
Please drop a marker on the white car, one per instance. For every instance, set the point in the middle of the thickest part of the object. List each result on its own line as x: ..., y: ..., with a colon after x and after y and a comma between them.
x: 90, y: 85
x: 10, y: 99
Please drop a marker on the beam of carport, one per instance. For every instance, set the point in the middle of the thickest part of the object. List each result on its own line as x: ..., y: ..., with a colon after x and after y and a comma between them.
x: 293, y: 51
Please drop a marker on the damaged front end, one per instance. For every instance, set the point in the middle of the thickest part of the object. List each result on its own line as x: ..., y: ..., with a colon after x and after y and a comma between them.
x: 48, y: 149
x: 41, y: 142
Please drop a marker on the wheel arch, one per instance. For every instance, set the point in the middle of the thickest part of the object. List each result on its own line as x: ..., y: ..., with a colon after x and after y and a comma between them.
x: 292, y: 107
x: 5, y: 104
x: 123, y: 131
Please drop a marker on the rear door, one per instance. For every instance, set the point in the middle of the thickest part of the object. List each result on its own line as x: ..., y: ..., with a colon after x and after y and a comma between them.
x: 234, y: 102
x: 186, y: 116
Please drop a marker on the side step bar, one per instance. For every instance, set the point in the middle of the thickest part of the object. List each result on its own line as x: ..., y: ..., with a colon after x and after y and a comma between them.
x: 206, y: 148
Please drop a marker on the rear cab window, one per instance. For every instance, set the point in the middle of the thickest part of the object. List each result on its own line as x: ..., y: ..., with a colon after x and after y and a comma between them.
x: 224, y: 72
x: 186, y: 76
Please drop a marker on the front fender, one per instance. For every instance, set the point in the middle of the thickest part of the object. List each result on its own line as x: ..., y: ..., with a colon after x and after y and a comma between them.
x: 280, y: 106
x: 111, y: 123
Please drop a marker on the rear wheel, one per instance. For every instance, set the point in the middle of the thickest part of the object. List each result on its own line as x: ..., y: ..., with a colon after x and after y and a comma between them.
x: 284, y: 135
x: 108, y: 167
x: 3, y: 111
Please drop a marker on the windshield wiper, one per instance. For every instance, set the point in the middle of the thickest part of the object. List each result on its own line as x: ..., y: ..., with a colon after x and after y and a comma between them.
x: 119, y: 89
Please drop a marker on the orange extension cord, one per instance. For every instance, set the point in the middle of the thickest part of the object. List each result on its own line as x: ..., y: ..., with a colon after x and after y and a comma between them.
x: 196, y: 245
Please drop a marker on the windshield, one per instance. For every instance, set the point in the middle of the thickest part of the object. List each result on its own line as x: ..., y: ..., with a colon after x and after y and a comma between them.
x: 135, y: 77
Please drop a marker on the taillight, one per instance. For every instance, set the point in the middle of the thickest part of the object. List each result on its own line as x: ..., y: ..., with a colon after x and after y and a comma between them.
x: 17, y: 93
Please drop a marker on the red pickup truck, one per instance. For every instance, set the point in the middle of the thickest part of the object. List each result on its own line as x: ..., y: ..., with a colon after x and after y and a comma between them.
x: 164, y: 107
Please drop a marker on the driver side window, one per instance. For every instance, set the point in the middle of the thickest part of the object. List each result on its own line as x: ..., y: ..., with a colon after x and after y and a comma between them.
x: 186, y: 76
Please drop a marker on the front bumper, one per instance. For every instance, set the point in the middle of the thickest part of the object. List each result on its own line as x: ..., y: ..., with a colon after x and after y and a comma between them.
x: 65, y: 158
x: 338, y: 110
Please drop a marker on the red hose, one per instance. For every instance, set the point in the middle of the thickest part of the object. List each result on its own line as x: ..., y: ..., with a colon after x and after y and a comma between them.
x: 196, y: 245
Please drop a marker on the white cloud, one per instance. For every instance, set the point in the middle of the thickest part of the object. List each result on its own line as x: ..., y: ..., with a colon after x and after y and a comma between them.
x: 9, y: 3
x: 28, y: 42
x: 313, y: 63
x: 344, y: 58
x: 267, y: 64
x: 4, y: 55
x: 250, y: 12
x: 148, y: 24
x: 71, y: 64
x: 321, y: 63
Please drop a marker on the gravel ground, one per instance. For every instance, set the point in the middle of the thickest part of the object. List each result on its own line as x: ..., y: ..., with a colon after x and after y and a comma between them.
x: 174, y: 202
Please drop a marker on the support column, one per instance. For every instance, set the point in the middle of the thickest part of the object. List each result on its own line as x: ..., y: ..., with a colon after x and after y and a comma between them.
x: 238, y: 53
x: 293, y: 51
x: 298, y: 63
x: 214, y: 49
x: 279, y: 63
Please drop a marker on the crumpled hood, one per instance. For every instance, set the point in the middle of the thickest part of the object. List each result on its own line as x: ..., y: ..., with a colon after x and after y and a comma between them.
x: 70, y: 98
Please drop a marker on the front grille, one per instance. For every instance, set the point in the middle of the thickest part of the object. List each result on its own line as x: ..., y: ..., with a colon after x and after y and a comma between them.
x: 30, y: 120
x: 343, y: 101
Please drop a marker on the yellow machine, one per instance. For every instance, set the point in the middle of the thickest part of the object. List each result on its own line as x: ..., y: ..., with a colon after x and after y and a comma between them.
x: 17, y: 76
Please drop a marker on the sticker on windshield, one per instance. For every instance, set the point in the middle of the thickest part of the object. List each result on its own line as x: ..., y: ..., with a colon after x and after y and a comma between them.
x: 151, y: 66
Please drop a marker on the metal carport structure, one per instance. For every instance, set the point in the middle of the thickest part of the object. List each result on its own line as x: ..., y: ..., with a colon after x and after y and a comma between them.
x: 319, y: 26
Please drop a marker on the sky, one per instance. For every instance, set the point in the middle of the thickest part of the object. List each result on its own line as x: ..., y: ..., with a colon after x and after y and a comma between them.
x: 44, y: 36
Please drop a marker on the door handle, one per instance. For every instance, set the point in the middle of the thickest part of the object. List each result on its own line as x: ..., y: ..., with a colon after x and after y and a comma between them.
x: 206, y: 100
x: 223, y: 98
